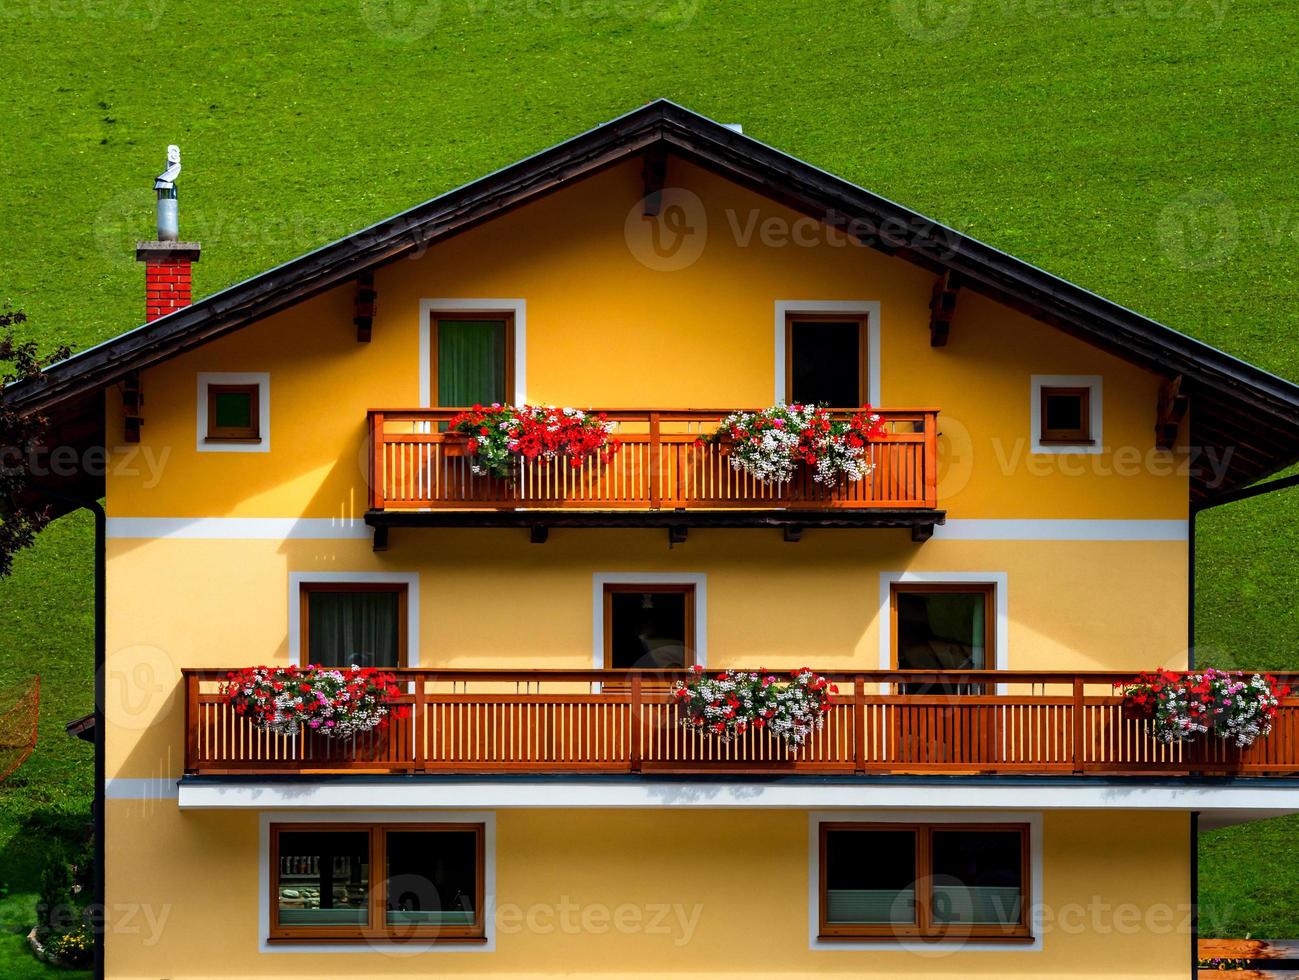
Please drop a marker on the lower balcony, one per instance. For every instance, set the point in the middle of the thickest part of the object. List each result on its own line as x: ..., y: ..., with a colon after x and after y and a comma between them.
x: 625, y: 722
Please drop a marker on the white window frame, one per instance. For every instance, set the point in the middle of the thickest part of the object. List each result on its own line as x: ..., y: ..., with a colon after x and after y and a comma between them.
x: 408, y: 579
x: 262, y: 380
x: 488, y: 899
x: 600, y: 579
x: 870, y: 307
x: 1001, y: 606
x: 518, y: 307
x: 1094, y: 384
x: 931, y: 948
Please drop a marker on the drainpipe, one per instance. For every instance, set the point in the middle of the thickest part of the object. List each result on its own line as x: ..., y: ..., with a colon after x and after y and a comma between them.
x: 97, y: 914
x: 1229, y: 497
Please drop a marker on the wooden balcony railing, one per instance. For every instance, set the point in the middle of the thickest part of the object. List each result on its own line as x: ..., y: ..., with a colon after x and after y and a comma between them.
x: 556, y: 721
x: 660, y: 466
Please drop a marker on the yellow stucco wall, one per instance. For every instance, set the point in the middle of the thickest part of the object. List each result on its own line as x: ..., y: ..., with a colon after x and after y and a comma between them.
x: 184, y: 892
x: 606, y: 330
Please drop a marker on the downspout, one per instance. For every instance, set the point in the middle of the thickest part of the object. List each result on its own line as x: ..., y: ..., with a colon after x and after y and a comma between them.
x: 1229, y: 497
x: 97, y: 914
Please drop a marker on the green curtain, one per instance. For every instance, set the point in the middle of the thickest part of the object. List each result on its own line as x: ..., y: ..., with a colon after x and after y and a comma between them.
x: 471, y: 362
x: 347, y: 628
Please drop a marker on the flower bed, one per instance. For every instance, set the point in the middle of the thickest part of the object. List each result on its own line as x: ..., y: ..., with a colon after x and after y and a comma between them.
x: 334, y: 701
x: 769, y: 445
x: 729, y: 704
x: 1182, y: 706
x: 500, y: 434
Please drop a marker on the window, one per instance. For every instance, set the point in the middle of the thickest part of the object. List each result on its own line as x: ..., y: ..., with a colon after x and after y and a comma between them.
x: 429, y: 885
x: 1066, y: 415
x: 361, y: 624
x: 826, y: 359
x: 925, y: 881
x: 233, y: 413
x: 649, y: 626
x: 472, y: 359
x: 942, y: 627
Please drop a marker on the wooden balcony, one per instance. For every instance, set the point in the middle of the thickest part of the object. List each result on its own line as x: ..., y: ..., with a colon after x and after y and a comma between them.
x: 584, y: 721
x: 420, y: 475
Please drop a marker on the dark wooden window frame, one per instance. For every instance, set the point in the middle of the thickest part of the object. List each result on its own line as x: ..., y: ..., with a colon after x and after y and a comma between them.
x: 377, y: 929
x: 403, y: 612
x: 863, y: 326
x: 685, y: 588
x: 229, y: 433
x: 923, y: 928
x: 437, y: 316
x: 987, y: 589
x: 1066, y: 437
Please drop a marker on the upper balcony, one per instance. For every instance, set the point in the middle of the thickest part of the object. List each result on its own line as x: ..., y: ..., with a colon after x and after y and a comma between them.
x: 666, y: 474
x: 619, y: 721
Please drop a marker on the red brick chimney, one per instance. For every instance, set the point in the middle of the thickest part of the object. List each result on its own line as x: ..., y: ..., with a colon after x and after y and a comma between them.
x: 166, y: 276
x: 167, y: 261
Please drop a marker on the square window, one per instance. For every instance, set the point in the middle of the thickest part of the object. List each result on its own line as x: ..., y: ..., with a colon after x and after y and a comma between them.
x: 233, y: 413
x: 649, y: 626
x: 1065, y: 416
x: 942, y: 627
x: 353, y: 624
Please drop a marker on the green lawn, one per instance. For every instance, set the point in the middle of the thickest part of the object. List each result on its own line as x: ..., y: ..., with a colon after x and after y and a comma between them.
x: 1142, y: 149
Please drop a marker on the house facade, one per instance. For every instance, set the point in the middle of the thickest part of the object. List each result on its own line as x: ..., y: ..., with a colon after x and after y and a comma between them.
x: 282, y: 489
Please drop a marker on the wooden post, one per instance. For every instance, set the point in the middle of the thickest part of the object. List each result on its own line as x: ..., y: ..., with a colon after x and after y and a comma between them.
x: 931, y: 459
x: 1079, y: 724
x: 859, y: 724
x: 376, y: 461
x: 191, y: 723
x: 636, y: 733
x: 655, y: 462
x: 418, y: 719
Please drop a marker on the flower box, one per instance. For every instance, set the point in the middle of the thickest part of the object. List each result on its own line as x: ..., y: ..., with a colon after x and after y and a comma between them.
x: 330, y: 702
x: 498, y: 436
x: 734, y: 703
x: 1181, y: 706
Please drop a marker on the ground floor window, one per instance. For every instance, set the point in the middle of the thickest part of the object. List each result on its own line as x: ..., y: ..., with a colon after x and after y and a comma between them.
x: 377, y: 881
x: 924, y: 881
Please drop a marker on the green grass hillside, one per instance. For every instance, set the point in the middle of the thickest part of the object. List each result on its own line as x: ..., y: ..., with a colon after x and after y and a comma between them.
x: 1142, y: 149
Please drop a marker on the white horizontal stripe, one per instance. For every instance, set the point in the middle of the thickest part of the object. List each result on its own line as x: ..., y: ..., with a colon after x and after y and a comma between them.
x: 961, y: 529
x: 1250, y: 802
x: 155, y: 788
x: 273, y: 528
x: 957, y: 529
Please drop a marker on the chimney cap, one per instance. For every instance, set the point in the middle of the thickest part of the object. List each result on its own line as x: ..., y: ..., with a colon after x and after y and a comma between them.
x: 174, y: 251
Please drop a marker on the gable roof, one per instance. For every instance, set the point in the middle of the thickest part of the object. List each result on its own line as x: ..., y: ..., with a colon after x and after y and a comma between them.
x: 1236, y: 406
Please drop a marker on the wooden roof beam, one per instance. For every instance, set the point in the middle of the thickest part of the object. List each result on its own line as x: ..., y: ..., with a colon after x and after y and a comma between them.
x: 942, y: 307
x: 365, y: 305
x: 1170, y: 409
x: 655, y: 175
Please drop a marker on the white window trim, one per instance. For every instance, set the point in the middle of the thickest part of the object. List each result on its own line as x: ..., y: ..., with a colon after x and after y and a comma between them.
x: 263, y: 381
x: 1001, y: 625
x: 935, y: 949
x: 600, y: 579
x: 519, y: 307
x: 408, y: 579
x: 871, y: 307
x: 488, y: 900
x: 1093, y: 382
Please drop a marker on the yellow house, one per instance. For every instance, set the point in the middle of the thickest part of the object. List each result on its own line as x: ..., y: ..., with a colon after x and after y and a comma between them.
x: 287, y: 483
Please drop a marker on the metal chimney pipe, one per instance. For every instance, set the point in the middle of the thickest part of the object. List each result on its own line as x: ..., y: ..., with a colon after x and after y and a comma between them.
x: 168, y: 208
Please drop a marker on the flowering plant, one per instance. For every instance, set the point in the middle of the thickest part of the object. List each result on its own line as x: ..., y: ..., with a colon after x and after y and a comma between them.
x: 1181, y: 706
x: 499, y: 433
x: 728, y: 704
x: 336, y: 701
x: 768, y: 445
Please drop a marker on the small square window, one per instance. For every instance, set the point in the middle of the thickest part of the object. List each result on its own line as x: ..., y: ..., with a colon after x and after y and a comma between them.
x: 1066, y: 416
x: 233, y: 413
